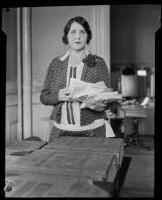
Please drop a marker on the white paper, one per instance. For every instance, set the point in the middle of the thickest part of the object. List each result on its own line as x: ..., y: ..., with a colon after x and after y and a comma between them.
x: 80, y: 88
x: 98, y: 91
x: 109, y: 130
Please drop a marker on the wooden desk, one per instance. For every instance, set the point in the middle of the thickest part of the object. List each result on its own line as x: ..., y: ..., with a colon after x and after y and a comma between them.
x: 55, y: 170
x: 135, y: 112
x: 146, y: 124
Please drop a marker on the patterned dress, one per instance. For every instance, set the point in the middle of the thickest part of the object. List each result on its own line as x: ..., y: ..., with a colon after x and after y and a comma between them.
x: 58, y: 77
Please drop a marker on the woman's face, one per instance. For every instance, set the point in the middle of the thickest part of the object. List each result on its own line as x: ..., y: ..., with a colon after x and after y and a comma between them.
x: 77, y: 36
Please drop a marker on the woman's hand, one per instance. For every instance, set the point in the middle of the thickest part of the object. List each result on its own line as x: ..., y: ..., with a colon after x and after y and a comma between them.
x: 64, y: 94
x: 90, y: 103
x: 100, y: 107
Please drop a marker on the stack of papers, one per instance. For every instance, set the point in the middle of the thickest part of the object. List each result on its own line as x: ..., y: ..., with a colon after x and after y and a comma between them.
x: 98, y: 91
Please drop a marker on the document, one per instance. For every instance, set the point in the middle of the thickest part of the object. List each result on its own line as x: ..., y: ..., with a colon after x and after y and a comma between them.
x: 98, y: 91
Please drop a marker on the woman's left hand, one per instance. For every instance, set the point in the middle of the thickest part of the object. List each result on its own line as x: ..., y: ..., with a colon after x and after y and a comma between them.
x: 90, y: 103
x: 100, y: 107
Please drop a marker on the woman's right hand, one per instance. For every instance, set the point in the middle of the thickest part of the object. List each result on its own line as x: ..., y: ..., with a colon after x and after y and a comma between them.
x: 64, y: 94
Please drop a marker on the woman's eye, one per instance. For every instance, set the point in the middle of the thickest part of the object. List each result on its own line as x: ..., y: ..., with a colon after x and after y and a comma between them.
x: 82, y: 32
x: 73, y: 32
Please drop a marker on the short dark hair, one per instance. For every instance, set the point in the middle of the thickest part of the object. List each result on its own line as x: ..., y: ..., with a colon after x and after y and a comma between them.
x: 81, y: 21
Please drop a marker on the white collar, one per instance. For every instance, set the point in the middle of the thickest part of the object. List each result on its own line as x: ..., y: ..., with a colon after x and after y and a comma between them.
x: 68, y: 52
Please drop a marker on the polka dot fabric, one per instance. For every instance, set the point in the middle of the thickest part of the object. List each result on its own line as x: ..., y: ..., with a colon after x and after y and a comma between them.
x: 98, y: 132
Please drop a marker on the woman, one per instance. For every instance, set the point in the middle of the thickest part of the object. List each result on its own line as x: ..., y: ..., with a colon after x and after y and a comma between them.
x: 78, y: 63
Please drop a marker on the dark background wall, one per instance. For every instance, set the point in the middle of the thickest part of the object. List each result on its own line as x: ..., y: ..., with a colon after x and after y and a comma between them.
x: 9, y: 27
x: 133, y: 30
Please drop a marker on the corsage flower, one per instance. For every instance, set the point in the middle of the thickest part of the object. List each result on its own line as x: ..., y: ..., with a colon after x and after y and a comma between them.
x: 90, y: 60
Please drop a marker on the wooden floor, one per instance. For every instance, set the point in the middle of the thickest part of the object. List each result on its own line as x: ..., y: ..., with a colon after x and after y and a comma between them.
x: 139, y: 179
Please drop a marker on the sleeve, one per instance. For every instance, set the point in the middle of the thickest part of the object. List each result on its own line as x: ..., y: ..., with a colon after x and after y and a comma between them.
x: 49, y: 93
x: 104, y: 75
x: 103, y: 72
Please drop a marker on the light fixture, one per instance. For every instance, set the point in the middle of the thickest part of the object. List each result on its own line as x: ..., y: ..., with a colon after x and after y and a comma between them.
x: 141, y: 72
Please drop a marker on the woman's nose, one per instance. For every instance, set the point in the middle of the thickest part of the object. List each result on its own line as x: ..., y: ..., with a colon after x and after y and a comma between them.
x: 77, y: 35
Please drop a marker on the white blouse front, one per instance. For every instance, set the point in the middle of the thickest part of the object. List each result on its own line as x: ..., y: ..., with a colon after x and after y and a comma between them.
x: 71, y: 110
